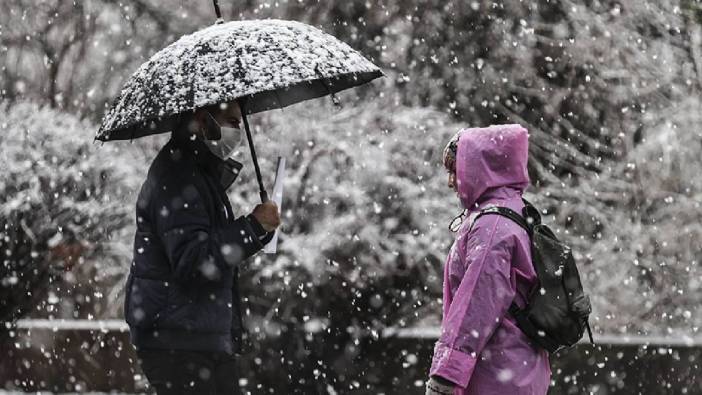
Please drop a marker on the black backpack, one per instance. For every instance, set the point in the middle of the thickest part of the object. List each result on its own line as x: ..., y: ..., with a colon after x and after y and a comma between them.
x: 557, y: 311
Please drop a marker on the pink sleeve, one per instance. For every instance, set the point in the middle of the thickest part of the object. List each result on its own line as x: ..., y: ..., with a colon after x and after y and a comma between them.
x: 479, y: 304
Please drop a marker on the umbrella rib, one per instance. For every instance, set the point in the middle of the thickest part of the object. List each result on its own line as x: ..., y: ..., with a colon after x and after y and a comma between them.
x: 323, y: 79
x: 325, y: 82
x: 277, y: 97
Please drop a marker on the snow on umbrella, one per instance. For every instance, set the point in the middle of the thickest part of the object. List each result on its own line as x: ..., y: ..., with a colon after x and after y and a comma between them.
x: 262, y: 64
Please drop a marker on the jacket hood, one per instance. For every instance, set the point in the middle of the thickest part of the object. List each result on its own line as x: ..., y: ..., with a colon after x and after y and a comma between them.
x: 491, y: 163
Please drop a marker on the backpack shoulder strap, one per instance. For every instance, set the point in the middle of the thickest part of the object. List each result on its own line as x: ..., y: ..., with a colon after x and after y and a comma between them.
x: 505, y: 212
x: 531, y: 213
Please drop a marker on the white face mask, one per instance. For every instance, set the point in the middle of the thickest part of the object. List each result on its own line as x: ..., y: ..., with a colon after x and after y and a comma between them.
x: 225, y: 146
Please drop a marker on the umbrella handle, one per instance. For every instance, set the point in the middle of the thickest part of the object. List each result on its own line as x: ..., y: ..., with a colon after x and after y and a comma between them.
x: 262, y: 190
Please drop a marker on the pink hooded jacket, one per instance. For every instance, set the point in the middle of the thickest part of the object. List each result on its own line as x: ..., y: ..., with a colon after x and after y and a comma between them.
x: 489, y: 266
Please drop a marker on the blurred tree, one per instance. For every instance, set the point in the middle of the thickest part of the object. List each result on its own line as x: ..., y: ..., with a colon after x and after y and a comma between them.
x: 74, y: 55
x: 51, y: 31
x: 62, y: 208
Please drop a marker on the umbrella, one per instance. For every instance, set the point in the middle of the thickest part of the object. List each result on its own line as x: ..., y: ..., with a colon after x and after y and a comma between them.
x: 262, y: 64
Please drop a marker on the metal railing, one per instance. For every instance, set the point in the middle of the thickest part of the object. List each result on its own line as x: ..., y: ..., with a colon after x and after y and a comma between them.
x: 117, y: 325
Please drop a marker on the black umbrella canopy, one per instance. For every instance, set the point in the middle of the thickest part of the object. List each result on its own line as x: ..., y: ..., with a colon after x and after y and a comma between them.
x: 266, y: 63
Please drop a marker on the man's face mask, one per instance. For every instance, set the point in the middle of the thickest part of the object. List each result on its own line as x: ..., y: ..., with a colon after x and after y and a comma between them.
x: 229, y: 141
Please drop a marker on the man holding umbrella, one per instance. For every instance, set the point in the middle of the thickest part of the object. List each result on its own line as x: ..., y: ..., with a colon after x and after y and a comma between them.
x: 182, y: 301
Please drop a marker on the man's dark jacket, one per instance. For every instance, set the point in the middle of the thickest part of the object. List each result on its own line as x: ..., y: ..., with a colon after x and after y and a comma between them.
x: 182, y: 290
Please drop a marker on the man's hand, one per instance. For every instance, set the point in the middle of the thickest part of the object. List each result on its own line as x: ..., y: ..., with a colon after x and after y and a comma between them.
x: 267, y: 215
x: 439, y: 386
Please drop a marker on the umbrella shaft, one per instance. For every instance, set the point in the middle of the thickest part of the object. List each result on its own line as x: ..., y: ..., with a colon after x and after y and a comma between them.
x: 262, y: 191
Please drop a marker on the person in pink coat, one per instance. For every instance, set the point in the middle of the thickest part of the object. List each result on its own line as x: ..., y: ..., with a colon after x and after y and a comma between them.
x: 481, y: 350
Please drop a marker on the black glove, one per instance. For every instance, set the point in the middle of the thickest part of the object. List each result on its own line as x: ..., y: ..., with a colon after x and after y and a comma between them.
x: 439, y: 386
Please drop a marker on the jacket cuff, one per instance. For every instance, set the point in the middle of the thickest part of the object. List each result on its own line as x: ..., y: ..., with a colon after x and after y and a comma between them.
x: 241, y: 231
x: 263, y: 236
x: 440, y: 385
x: 256, y: 226
x: 453, y: 365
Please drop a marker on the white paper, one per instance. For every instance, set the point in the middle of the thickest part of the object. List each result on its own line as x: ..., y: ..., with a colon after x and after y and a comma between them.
x: 277, y: 197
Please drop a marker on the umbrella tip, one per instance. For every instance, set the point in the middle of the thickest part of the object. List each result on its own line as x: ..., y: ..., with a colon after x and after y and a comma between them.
x: 218, y: 12
x: 335, y: 100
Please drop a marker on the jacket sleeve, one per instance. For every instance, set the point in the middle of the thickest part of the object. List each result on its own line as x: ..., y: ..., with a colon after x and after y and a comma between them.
x: 480, y: 302
x: 196, y: 250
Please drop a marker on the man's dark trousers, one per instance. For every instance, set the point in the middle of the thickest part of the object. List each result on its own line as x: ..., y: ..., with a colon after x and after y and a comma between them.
x: 176, y: 372
x: 182, y: 299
